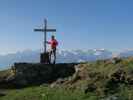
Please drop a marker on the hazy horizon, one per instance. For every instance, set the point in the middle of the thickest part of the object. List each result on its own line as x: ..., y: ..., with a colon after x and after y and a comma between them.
x: 39, y: 50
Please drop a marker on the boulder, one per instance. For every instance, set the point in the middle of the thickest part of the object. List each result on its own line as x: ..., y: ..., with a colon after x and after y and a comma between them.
x: 32, y: 74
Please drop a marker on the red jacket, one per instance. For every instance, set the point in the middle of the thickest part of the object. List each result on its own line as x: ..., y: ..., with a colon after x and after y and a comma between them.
x: 53, y: 43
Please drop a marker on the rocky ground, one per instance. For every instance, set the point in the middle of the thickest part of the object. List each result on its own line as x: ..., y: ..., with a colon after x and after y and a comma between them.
x: 112, y: 78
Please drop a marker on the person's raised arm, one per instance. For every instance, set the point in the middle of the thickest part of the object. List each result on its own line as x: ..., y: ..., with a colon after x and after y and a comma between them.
x: 48, y: 42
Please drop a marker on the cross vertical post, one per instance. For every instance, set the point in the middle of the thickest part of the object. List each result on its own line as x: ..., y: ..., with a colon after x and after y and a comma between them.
x: 45, y: 35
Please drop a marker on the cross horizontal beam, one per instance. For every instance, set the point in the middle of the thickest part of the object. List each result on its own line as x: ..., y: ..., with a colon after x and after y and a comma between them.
x: 47, y: 30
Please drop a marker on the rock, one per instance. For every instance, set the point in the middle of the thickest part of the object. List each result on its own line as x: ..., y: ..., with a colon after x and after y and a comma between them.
x: 2, y: 94
x: 32, y: 74
x: 91, y: 87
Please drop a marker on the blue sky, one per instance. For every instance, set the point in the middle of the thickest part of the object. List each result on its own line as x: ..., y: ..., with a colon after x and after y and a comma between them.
x: 80, y: 24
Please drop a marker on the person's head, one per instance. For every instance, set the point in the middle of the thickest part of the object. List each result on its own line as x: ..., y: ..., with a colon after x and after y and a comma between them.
x: 52, y: 37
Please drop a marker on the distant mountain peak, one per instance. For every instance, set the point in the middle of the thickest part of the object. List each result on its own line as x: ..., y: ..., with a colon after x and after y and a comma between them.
x: 63, y: 56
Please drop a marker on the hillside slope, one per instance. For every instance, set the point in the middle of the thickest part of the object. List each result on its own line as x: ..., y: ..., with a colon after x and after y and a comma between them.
x: 110, y: 79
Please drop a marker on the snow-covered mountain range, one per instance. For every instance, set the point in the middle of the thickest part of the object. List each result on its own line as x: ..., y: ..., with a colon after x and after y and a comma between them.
x: 63, y: 56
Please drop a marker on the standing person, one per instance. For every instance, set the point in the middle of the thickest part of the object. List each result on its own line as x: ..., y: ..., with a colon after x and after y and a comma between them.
x: 54, y: 43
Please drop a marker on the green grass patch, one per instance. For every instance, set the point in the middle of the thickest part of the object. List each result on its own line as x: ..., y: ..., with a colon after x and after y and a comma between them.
x: 47, y: 93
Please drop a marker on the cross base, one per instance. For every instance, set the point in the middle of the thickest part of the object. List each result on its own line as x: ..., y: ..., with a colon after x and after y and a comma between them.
x: 44, y: 58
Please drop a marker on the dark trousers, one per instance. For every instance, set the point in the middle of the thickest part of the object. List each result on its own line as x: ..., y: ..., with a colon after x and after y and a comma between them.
x: 52, y: 52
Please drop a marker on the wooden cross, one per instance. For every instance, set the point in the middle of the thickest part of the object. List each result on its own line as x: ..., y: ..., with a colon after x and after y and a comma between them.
x: 45, y: 30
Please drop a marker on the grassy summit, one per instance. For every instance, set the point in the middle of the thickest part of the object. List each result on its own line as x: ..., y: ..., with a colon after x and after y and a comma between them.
x: 101, y: 80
